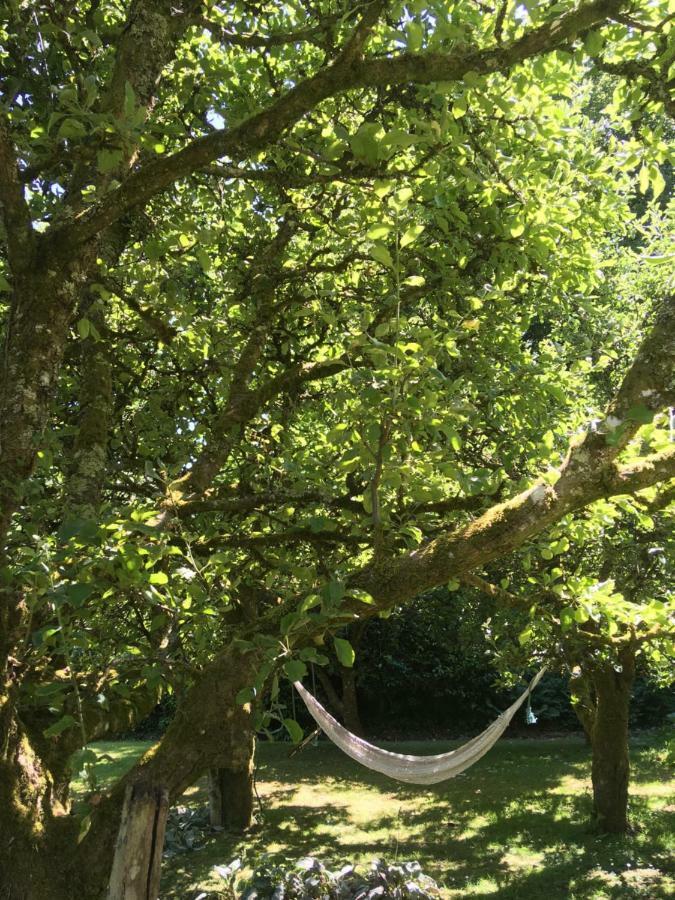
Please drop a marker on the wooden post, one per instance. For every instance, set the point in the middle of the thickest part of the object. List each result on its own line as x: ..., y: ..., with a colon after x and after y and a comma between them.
x: 137, y: 864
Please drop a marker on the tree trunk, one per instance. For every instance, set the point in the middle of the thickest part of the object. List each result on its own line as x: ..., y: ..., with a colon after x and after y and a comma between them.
x: 231, y: 788
x: 583, y: 701
x: 609, y: 739
x: 210, y: 729
x: 231, y: 798
x: 27, y: 807
x: 350, y: 701
x: 137, y: 864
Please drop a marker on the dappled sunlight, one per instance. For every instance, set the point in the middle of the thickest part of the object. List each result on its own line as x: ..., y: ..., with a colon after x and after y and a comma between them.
x: 480, y: 835
x: 513, y: 826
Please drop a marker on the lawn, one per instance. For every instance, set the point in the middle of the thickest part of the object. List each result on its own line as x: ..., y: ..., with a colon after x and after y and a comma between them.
x: 512, y: 827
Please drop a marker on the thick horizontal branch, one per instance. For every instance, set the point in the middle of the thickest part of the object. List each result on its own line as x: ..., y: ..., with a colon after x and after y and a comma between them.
x: 590, y: 472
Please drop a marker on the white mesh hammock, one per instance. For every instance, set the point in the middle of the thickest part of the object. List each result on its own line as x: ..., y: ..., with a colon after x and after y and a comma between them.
x: 414, y: 769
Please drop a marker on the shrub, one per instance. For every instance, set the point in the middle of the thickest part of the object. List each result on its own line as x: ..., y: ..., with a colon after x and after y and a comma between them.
x: 309, y: 879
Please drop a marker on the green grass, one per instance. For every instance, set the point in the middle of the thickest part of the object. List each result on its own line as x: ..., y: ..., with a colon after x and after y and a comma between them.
x: 513, y: 827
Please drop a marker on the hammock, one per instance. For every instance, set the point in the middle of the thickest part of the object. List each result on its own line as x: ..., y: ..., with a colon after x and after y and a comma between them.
x: 414, y: 769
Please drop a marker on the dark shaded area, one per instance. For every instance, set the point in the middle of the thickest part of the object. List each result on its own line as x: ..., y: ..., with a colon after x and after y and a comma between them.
x: 425, y: 673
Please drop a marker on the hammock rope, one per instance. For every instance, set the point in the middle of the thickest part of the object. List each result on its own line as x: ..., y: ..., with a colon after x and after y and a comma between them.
x: 408, y: 768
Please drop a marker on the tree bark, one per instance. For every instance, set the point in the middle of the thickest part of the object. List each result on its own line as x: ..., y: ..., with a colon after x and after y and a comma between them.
x: 231, y: 798
x: 609, y: 740
x: 583, y: 702
x: 137, y: 864
x: 350, y: 701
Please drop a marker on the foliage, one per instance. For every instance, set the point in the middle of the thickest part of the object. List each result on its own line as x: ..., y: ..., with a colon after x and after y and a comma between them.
x: 310, y: 878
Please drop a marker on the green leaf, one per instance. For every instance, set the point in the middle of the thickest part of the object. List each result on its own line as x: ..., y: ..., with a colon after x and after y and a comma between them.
x: 85, y: 825
x: 378, y: 231
x: 640, y: 413
x: 295, y: 732
x: 525, y: 636
x: 643, y: 179
x: 245, y: 695
x: 83, y: 328
x: 290, y: 620
x: 335, y: 591
x: 344, y: 652
x: 566, y: 618
x: 159, y: 578
x: 295, y: 670
x: 460, y: 107
x: 365, y: 143
x: 361, y: 595
x: 382, y: 188
x: 658, y: 182
x: 72, y: 128
x: 75, y: 593
x: 594, y: 42
x: 59, y: 727
x: 411, y: 235
x: 414, y: 36
x: 382, y: 255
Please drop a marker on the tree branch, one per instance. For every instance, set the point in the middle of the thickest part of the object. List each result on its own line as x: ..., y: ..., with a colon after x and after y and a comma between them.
x: 346, y: 73
x: 590, y: 472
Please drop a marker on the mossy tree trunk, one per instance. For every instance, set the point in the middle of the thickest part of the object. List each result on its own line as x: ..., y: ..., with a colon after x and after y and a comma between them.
x: 210, y: 730
x: 231, y: 797
x: 231, y: 789
x: 609, y: 741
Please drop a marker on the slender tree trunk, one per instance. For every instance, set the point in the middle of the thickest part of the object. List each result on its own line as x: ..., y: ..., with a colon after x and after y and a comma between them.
x: 583, y: 702
x: 609, y: 739
x: 350, y: 701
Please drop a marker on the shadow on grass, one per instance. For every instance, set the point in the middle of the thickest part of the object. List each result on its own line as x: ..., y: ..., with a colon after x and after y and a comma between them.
x: 513, y: 826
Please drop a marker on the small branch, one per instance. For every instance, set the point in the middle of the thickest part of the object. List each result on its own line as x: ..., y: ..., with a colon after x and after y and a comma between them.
x: 499, y: 22
x: 316, y: 34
